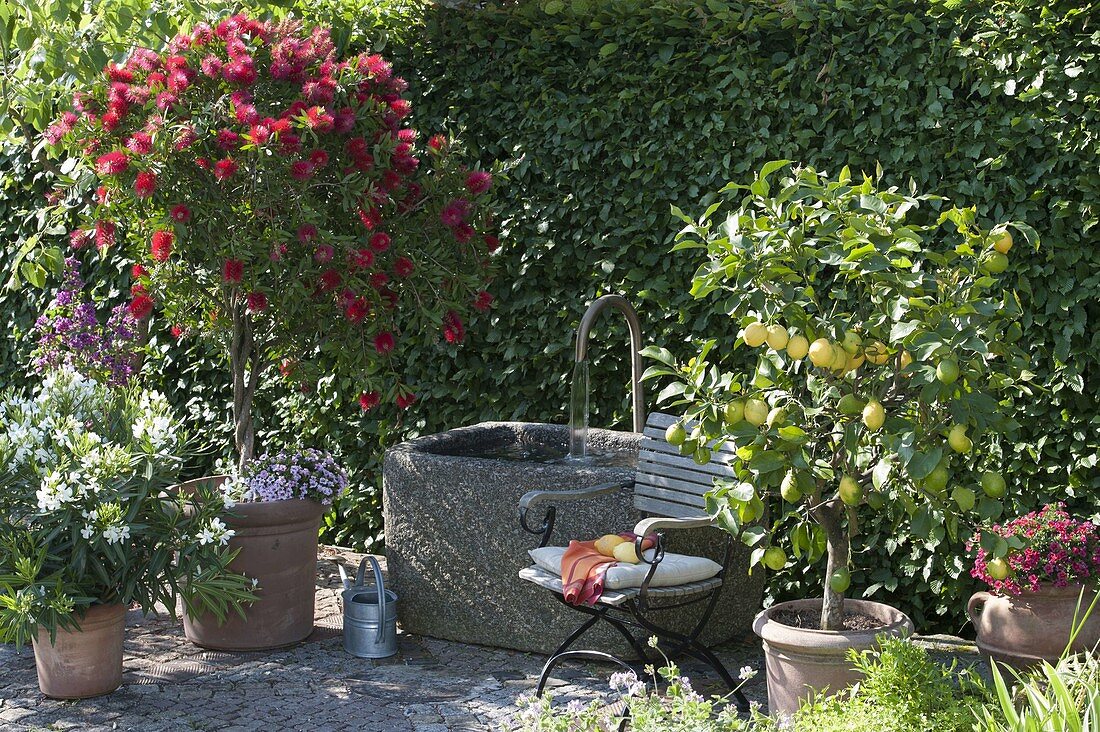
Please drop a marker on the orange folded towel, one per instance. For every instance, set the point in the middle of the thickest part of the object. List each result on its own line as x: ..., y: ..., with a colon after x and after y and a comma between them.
x: 583, y: 569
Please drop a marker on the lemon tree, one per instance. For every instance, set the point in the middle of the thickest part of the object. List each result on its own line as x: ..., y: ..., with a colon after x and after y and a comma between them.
x: 883, y: 363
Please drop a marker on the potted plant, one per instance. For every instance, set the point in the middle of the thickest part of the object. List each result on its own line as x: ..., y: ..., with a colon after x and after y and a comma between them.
x: 881, y: 340
x: 1042, y: 568
x: 275, y: 507
x: 87, y: 530
x: 276, y: 202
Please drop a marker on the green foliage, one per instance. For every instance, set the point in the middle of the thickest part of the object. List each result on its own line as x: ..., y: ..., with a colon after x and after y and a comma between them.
x: 903, y: 690
x: 1061, y: 698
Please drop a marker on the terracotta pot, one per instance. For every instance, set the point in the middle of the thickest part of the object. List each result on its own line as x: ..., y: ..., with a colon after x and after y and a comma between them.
x: 278, y: 548
x: 82, y: 663
x: 1024, y: 630
x: 802, y: 662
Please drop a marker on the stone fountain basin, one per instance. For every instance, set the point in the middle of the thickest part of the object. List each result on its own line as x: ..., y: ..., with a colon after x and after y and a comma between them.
x: 455, y: 547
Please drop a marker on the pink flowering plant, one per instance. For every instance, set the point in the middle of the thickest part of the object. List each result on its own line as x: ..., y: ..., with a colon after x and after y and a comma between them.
x: 1042, y: 547
x: 275, y: 199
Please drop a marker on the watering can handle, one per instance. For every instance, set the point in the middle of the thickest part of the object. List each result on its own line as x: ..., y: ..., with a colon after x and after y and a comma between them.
x: 381, y: 596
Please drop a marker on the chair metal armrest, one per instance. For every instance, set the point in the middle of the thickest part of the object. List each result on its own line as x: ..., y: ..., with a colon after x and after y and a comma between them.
x: 536, y: 497
x: 649, y: 525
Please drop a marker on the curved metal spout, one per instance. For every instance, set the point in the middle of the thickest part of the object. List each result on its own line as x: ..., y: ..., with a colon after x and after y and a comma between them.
x: 619, y: 303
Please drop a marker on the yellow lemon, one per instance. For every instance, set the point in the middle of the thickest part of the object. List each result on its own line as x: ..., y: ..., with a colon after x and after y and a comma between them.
x: 756, y: 412
x: 850, y: 491
x: 755, y: 334
x: 1003, y: 243
x: 876, y: 353
x: 735, y: 411
x: 851, y: 342
x: 606, y: 544
x: 775, y: 558
x: 958, y: 440
x: 821, y: 352
x: 874, y: 415
x: 777, y: 337
x: 625, y: 553
x: 798, y: 347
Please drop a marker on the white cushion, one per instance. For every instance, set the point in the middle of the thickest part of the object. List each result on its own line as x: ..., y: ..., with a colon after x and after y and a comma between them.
x: 674, y: 569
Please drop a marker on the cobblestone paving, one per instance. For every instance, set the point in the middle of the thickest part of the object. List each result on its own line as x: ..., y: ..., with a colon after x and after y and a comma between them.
x: 430, y: 686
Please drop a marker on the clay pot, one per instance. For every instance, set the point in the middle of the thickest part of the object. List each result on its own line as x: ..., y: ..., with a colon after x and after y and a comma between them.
x: 802, y: 663
x: 1024, y: 630
x: 278, y: 548
x: 82, y: 663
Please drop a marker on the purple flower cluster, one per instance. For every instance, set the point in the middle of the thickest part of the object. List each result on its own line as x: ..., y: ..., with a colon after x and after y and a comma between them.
x: 309, y: 473
x: 70, y: 335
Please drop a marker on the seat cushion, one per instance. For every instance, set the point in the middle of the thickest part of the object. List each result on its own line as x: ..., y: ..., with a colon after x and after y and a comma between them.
x: 674, y: 569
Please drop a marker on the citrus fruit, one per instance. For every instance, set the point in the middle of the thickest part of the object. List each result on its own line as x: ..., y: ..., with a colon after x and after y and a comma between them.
x: 850, y: 404
x: 776, y: 416
x: 756, y: 412
x: 876, y: 353
x: 998, y: 568
x: 755, y: 334
x: 798, y: 347
x: 675, y: 434
x: 850, y: 491
x: 606, y: 544
x: 840, y: 580
x: 775, y: 558
x: 821, y: 352
x: 936, y: 481
x: 874, y: 415
x: 1003, y: 242
x: 789, y: 488
x: 906, y: 359
x: 994, y: 263
x: 701, y: 456
x: 735, y: 411
x: 854, y: 361
x: 958, y: 440
x: 947, y: 371
x: 625, y: 553
x: 840, y: 358
x: 993, y: 484
x: 777, y: 337
x: 851, y: 342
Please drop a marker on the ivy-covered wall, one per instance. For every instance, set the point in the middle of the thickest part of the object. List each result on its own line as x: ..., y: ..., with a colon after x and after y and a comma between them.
x: 606, y: 112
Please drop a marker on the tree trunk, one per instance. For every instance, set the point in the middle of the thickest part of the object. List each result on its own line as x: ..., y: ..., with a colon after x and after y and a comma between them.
x: 244, y: 363
x: 832, y: 608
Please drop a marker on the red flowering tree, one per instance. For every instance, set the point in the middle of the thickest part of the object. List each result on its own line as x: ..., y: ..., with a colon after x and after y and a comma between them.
x: 275, y: 199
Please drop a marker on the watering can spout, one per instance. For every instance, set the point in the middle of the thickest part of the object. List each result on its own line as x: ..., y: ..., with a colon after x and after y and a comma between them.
x: 344, y: 576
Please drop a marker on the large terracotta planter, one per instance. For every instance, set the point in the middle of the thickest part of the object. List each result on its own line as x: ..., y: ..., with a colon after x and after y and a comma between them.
x: 82, y: 663
x: 1024, y: 630
x: 278, y: 548
x: 802, y: 662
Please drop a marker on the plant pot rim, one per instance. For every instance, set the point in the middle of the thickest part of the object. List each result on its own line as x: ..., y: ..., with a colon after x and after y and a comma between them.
x: 1048, y: 589
x: 895, y: 622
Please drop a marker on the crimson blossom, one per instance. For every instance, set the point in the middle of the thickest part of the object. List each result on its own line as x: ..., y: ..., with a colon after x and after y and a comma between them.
x: 280, y: 204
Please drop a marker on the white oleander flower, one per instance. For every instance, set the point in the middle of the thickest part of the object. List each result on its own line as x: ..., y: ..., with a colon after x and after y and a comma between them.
x: 115, y: 534
x: 87, y: 532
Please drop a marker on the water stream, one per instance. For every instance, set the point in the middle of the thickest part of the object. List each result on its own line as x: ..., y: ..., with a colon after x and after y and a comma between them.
x: 578, y: 412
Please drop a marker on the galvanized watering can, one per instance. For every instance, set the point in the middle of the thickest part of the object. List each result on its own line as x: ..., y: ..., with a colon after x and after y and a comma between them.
x: 370, y: 614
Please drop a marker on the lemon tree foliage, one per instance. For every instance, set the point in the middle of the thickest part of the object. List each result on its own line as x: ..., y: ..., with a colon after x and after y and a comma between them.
x: 885, y: 363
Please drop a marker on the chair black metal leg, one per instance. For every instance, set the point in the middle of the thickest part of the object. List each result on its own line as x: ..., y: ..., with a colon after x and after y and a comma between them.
x: 565, y: 655
x: 561, y: 650
x: 636, y: 644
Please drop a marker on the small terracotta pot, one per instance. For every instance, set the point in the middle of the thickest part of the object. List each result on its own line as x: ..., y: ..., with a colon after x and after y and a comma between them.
x: 802, y: 663
x: 278, y: 548
x: 82, y: 663
x: 1024, y: 630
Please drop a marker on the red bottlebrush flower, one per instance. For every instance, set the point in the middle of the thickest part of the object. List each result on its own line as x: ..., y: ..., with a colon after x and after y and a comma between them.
x: 401, y: 108
x: 177, y: 331
x: 380, y: 241
x: 115, y: 72
x: 161, y: 246
x: 492, y: 243
x: 301, y: 170
x: 156, y: 80
x: 330, y: 280
x: 356, y: 147
x: 391, y: 181
x: 454, y: 213
x: 137, y: 289
x: 483, y: 301
x: 232, y: 271
x: 478, y: 181
x: 453, y: 330
x: 259, y: 134
x: 145, y: 184
x: 211, y: 66
x: 137, y: 271
x: 403, y: 267
x: 257, y: 302
x: 225, y: 168
x: 240, y: 71
x: 166, y: 100
x: 405, y: 164
x: 379, y: 280
x: 319, y: 120
x: 360, y: 258
x: 437, y: 143
x: 357, y: 310
x: 180, y: 213
x: 178, y: 81
x: 246, y: 114
x: 202, y: 163
x: 277, y: 252
x: 463, y: 233
x: 371, y: 219
x: 101, y: 195
x: 344, y: 121
x: 287, y: 367
x: 186, y: 138
x: 104, y: 234
x: 110, y: 121
x: 227, y: 139
x: 404, y: 401
x: 140, y: 143
x: 79, y: 238
x: 278, y: 126
x: 307, y: 233
x: 319, y: 158
x: 368, y: 400
x: 384, y: 342
x: 112, y: 163
x: 141, y: 307
x: 323, y: 253
x: 289, y: 143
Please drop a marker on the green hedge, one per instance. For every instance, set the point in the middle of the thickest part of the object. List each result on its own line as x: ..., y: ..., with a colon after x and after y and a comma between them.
x: 607, y: 112
x: 612, y: 111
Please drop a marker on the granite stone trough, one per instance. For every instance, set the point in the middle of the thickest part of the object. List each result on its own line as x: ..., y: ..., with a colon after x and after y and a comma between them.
x: 455, y: 547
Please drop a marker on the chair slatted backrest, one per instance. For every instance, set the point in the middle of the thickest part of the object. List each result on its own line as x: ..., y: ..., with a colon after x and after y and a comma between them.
x: 670, y: 484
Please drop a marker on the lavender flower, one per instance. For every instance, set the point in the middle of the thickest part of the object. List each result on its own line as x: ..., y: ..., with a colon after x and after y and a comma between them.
x: 71, y: 336
x: 303, y: 474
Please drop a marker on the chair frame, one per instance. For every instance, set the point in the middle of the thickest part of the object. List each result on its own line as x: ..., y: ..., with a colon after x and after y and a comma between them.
x: 631, y: 612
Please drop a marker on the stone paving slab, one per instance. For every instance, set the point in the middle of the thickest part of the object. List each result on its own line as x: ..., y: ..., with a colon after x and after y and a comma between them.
x: 430, y: 686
